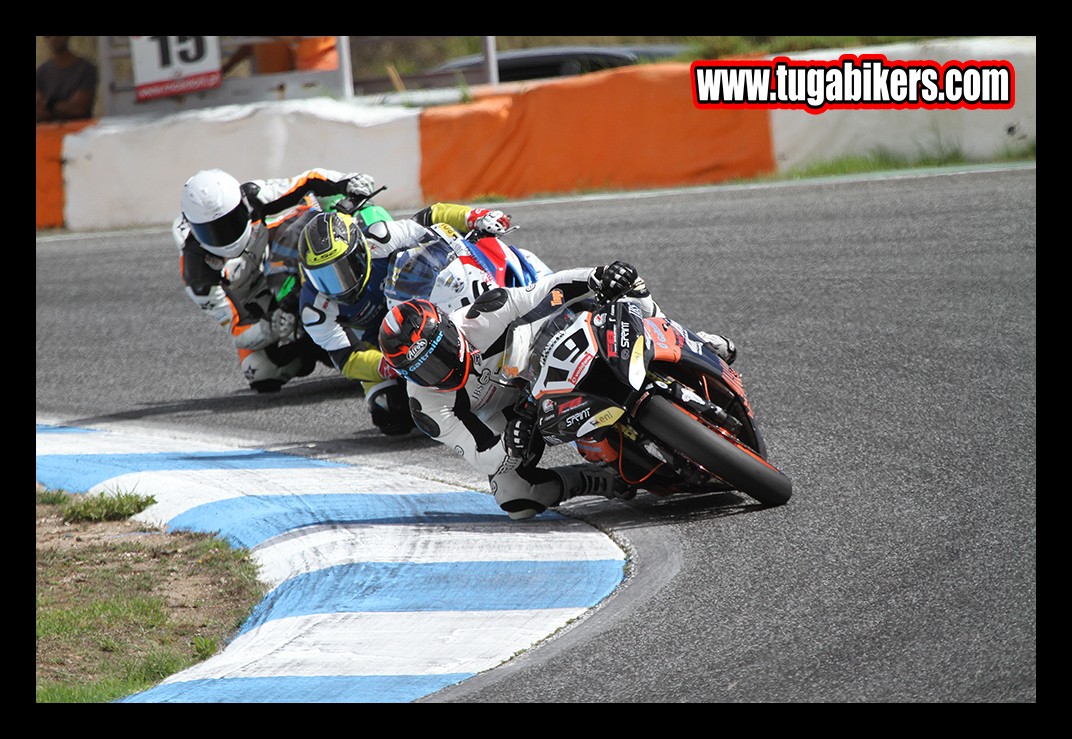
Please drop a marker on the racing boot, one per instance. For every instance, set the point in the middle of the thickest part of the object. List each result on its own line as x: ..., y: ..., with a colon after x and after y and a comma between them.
x: 267, y: 370
x: 720, y: 345
x: 585, y: 479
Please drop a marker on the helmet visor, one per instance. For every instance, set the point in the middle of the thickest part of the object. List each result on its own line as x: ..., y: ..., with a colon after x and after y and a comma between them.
x: 226, y: 233
x: 342, y: 279
x: 441, y: 362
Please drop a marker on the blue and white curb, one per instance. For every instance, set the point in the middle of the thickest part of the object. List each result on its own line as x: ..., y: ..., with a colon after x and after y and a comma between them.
x: 384, y: 588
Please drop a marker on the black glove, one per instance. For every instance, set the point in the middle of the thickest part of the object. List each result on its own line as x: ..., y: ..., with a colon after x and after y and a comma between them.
x: 614, y: 280
x: 251, y: 193
x: 517, y: 436
x: 289, y: 303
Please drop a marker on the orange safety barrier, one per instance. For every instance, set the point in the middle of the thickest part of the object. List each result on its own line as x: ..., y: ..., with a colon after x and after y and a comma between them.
x: 50, y: 199
x: 627, y: 128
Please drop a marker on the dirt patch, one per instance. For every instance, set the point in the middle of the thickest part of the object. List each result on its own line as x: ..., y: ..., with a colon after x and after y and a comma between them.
x: 54, y: 533
x: 191, y: 591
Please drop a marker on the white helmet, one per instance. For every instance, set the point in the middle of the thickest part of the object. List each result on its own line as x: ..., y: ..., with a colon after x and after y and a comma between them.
x: 219, y: 217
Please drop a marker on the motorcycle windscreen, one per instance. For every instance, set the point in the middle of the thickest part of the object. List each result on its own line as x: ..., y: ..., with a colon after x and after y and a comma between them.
x: 415, y: 271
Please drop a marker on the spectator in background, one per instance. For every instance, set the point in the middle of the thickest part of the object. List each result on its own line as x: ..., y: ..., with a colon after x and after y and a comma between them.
x: 66, y: 84
x: 287, y: 54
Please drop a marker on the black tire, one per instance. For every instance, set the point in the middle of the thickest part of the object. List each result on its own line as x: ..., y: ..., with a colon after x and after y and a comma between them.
x: 739, y: 466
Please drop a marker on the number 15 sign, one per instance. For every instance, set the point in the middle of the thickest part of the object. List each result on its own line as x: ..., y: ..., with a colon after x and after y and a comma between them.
x: 174, y: 65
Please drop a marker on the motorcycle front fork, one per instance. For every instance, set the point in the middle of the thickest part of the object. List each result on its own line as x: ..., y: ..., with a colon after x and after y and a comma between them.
x: 689, y: 398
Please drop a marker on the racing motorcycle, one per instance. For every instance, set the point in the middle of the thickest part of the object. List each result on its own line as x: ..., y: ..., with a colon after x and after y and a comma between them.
x: 646, y: 396
x: 452, y: 270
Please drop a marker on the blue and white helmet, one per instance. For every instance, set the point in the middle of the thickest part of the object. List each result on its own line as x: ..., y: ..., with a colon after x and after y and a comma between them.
x: 451, y: 272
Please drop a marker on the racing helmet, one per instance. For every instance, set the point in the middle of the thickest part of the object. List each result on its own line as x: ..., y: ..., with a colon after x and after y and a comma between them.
x: 219, y: 217
x: 433, y: 270
x: 335, y: 256
x: 425, y: 346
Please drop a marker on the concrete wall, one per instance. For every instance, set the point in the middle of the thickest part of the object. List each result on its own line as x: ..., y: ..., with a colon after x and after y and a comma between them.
x: 800, y: 138
x: 629, y: 128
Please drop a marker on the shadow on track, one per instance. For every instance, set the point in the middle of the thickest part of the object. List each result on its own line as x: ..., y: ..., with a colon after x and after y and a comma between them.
x: 305, y: 393
x: 647, y: 510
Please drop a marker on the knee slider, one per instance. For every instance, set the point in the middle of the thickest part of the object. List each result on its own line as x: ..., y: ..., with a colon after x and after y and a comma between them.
x: 522, y: 498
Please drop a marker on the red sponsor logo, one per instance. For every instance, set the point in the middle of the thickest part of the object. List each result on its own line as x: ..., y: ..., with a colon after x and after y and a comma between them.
x: 582, y: 367
x: 567, y: 404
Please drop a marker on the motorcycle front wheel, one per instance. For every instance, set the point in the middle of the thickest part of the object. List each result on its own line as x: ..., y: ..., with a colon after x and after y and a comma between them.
x: 716, y: 452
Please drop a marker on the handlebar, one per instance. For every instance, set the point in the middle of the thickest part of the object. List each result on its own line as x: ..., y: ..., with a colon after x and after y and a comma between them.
x: 350, y: 206
x: 479, y: 234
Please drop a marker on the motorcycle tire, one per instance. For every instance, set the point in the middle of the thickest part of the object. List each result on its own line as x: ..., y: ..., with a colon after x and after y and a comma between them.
x: 717, y: 453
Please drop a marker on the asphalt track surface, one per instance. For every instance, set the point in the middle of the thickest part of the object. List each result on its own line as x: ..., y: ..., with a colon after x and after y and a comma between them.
x: 886, y: 328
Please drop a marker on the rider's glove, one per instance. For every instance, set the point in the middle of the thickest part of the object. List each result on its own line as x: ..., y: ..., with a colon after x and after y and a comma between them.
x: 235, y: 269
x: 613, y: 280
x: 251, y: 193
x: 360, y: 185
x: 388, y: 405
x: 289, y: 303
x: 723, y: 346
x: 517, y: 436
x: 284, y: 324
x: 494, y: 222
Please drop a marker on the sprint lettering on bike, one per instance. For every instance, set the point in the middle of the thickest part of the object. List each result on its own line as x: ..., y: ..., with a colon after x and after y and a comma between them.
x: 866, y: 81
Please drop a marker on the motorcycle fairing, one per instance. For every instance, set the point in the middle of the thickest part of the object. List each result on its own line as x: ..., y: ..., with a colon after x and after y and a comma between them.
x: 568, y: 416
x: 674, y: 344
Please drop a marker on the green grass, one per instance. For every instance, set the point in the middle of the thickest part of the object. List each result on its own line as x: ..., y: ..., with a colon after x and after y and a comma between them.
x: 122, y: 606
x: 106, y: 507
x: 878, y: 161
x: 883, y: 161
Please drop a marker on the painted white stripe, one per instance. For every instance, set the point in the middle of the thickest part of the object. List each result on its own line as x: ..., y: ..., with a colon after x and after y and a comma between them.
x: 316, y: 548
x: 406, y: 643
x: 178, y: 491
x: 377, y: 645
x: 108, y: 442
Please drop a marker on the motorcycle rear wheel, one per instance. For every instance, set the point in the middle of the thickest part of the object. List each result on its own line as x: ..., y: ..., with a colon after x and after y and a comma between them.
x: 717, y: 453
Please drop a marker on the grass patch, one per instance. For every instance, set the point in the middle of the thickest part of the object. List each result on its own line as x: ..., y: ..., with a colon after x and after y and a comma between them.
x: 122, y: 605
x: 881, y: 160
x: 105, y: 507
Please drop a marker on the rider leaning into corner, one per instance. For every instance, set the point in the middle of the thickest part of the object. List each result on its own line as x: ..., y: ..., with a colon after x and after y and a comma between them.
x: 235, y: 269
x: 458, y: 396
x: 344, y: 264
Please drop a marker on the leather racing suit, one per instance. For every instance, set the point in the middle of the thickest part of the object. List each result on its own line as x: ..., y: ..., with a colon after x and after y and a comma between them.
x: 244, y: 294
x: 349, y: 333
x: 471, y: 420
